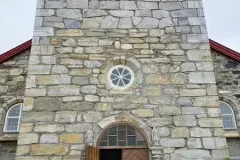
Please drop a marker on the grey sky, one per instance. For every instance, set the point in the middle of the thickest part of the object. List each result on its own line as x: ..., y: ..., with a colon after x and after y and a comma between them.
x: 17, y: 18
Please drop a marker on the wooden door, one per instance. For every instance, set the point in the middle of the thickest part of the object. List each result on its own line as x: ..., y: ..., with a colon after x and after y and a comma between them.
x: 135, y: 154
x: 92, y: 153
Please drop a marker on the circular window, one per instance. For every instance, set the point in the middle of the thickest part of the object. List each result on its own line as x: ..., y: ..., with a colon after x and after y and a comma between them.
x: 120, y: 77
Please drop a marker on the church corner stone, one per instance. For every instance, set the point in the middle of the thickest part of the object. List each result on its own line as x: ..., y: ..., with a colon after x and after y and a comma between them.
x: 70, y: 101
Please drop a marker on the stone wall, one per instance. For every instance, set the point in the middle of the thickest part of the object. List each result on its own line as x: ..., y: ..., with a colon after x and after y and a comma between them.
x: 12, y: 84
x: 234, y: 147
x: 227, y: 73
x: 8, y: 150
x: 69, y: 101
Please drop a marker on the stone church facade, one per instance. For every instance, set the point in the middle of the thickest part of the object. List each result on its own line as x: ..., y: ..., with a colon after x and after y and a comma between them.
x: 97, y: 66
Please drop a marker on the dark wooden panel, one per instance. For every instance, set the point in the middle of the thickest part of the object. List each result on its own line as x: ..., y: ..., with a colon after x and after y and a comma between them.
x: 135, y: 154
x: 92, y: 153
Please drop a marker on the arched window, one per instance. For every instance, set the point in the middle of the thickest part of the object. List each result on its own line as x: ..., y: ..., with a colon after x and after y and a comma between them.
x: 227, y: 116
x: 122, y: 136
x: 13, y: 117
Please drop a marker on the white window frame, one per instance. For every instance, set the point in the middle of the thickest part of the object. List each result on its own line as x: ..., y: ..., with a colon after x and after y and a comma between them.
x: 7, y: 117
x: 115, y: 86
x: 233, y: 116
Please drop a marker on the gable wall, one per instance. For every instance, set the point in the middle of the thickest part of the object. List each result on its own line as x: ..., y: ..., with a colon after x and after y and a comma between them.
x: 227, y: 73
x: 13, y: 75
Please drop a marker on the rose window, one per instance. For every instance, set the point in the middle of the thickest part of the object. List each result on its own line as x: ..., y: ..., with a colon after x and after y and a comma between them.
x: 120, y: 77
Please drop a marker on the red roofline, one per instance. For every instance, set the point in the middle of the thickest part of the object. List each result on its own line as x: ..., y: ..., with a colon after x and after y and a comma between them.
x: 15, y: 51
x: 224, y: 50
x: 214, y: 46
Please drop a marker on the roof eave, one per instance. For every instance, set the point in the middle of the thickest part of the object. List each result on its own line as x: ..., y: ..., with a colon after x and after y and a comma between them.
x: 15, y: 51
x: 224, y: 50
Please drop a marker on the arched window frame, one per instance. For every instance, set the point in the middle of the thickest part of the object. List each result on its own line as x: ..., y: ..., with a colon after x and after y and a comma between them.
x: 9, y: 117
x: 137, y: 130
x: 233, y: 116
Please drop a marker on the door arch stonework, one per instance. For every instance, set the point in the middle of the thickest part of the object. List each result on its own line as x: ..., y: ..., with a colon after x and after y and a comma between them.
x: 128, y: 139
x: 93, y: 135
x: 122, y: 135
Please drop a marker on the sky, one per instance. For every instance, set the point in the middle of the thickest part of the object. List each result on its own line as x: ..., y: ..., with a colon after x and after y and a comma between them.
x: 17, y: 20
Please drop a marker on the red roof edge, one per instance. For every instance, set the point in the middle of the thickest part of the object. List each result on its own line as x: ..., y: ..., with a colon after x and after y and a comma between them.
x: 224, y: 50
x: 214, y: 46
x: 15, y: 51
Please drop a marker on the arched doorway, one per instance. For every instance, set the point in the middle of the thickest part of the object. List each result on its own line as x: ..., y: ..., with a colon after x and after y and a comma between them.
x: 120, y: 142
